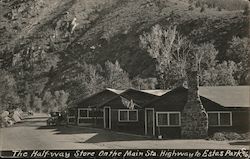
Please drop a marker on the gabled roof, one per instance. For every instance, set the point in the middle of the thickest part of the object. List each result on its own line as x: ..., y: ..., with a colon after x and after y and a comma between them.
x: 98, y: 98
x: 140, y: 98
x: 228, y: 96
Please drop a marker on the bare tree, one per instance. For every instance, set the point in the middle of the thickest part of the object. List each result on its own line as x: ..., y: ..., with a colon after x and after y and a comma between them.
x: 170, y: 50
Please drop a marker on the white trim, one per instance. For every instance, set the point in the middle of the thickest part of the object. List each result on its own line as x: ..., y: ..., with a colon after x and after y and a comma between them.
x: 127, y: 110
x: 218, y: 116
x: 168, y: 120
x: 104, y: 117
x: 146, y: 129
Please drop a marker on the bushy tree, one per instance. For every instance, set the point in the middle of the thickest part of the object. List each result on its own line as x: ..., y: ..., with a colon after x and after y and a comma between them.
x: 56, y: 101
x: 144, y: 83
x: 8, y: 97
x: 170, y: 50
x: 37, y: 103
x: 115, y: 76
x: 239, y: 53
x: 220, y: 75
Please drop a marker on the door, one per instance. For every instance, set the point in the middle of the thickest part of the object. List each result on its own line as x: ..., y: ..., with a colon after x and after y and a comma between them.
x: 149, y: 122
x: 107, y: 117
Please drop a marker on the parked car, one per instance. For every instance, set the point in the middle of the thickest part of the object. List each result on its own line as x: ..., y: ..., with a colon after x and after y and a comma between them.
x: 56, y: 118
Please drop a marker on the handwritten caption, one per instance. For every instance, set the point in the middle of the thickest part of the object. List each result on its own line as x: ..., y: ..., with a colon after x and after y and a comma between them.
x: 242, y: 153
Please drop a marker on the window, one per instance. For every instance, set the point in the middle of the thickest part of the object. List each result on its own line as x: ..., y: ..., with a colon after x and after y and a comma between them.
x: 71, y: 116
x: 83, y: 112
x: 89, y: 113
x: 168, y: 118
x: 123, y: 115
x: 127, y: 115
x: 133, y: 115
x: 219, y: 118
x: 71, y: 112
x: 162, y: 119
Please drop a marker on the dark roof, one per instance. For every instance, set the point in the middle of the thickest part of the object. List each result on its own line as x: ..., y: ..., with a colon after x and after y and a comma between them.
x: 178, y: 98
x: 228, y: 96
x: 98, y: 98
x: 140, y: 98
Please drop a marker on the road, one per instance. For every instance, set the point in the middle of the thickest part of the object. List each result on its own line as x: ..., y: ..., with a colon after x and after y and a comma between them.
x: 34, y: 134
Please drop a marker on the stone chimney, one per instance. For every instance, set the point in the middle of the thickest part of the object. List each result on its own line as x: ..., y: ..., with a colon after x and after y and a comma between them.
x: 194, y: 119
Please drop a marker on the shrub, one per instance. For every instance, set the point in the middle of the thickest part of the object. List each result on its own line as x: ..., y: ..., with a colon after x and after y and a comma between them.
x: 218, y: 136
x: 221, y: 136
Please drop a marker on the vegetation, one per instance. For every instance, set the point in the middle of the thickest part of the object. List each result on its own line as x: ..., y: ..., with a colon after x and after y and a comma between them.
x: 170, y: 50
x: 8, y: 96
x: 239, y: 53
x: 41, y: 56
x: 224, y: 4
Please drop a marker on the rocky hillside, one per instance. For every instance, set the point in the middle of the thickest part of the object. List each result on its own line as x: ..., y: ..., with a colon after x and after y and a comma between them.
x: 109, y: 29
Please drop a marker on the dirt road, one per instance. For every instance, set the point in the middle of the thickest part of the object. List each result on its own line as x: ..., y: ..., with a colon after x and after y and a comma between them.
x: 34, y: 134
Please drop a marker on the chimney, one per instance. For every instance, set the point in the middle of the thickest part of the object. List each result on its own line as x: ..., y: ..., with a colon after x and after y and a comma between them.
x: 194, y: 119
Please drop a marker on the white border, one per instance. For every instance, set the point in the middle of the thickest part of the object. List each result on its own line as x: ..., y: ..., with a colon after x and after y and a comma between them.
x: 127, y: 110
x: 219, y: 112
x: 157, y: 124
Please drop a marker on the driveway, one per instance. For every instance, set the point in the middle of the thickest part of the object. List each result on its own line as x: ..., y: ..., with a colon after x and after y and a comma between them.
x: 34, y: 134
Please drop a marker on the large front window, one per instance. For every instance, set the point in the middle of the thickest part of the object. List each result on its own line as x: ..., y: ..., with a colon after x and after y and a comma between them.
x: 127, y: 115
x: 220, y: 118
x: 168, y: 118
x: 84, y: 113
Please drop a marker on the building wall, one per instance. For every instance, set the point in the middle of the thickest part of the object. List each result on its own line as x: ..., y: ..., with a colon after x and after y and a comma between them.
x: 94, y: 122
x: 128, y: 127
x: 240, y: 123
x: 168, y: 132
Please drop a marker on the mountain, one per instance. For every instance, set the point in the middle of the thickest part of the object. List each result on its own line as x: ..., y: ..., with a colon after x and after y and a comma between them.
x: 110, y: 29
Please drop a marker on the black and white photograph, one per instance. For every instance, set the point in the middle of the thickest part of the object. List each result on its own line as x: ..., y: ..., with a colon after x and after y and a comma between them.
x: 124, y: 79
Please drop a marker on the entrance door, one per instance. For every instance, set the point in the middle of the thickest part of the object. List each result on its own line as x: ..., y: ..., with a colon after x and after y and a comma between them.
x: 107, y: 117
x: 149, y: 122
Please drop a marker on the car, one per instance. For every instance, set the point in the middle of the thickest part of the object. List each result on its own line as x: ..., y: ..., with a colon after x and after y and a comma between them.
x: 56, y: 118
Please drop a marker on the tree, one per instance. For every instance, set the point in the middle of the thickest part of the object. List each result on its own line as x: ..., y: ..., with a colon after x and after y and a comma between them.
x: 170, y: 50
x: 8, y: 97
x: 220, y: 75
x: 32, y: 65
x: 115, y: 76
x: 84, y: 80
x: 56, y: 101
x: 144, y: 83
x: 238, y: 52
